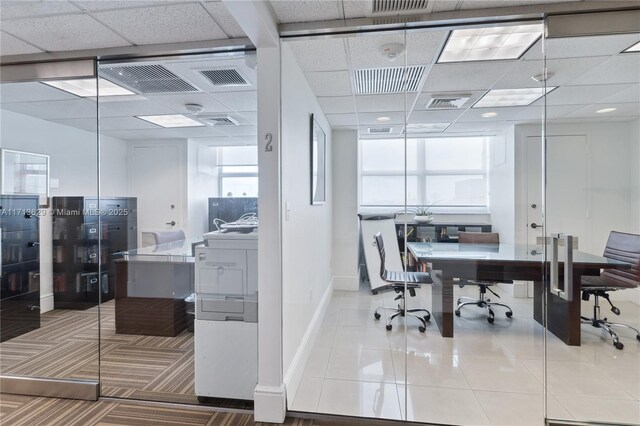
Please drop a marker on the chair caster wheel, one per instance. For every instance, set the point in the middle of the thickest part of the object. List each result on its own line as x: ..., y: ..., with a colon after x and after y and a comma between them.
x: 457, y: 312
x: 376, y: 316
x: 615, y: 311
x: 428, y: 317
x: 509, y: 314
x: 389, y: 327
x: 422, y: 329
x: 618, y: 345
x: 490, y: 320
x: 458, y: 302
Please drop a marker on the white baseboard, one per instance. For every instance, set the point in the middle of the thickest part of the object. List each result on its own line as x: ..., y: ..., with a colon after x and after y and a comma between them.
x: 293, y: 375
x: 46, y: 303
x: 346, y: 283
x: 269, y: 404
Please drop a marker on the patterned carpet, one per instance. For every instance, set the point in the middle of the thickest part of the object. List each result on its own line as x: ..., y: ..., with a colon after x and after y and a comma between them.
x: 131, y: 366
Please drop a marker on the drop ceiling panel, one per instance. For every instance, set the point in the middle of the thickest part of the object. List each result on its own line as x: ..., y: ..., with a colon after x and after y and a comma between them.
x: 383, y: 103
x: 342, y: 119
x: 356, y: 8
x: 576, y: 95
x: 10, y: 45
x: 106, y: 123
x: 238, y: 130
x: 564, y: 71
x: 146, y: 134
x: 30, y: 92
x: 505, y: 113
x: 224, y: 19
x: 190, y: 70
x: 370, y: 119
x: 574, y: 47
x: 177, y: 102
x: 325, y: 54
x: 631, y: 94
x: 624, y: 68
x: 288, y: 11
x: 622, y: 110
x: 424, y: 99
x: 475, y: 127
x: 337, y: 104
x: 198, y: 132
x: 437, y: 116
x: 96, y: 5
x: 239, y: 101
x: 330, y: 83
x: 132, y: 108
x: 164, y: 24
x: 67, y: 32
x: 29, y: 9
x: 534, y: 113
x: 79, y: 108
x: 250, y: 116
x: 460, y: 77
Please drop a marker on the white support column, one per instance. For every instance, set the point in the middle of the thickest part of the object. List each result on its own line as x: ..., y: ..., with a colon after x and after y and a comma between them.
x: 255, y: 18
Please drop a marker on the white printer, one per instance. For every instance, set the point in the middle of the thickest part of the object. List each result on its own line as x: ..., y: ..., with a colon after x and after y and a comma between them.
x: 226, y: 324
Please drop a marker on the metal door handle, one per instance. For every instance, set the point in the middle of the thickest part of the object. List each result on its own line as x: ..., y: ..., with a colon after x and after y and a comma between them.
x: 172, y: 223
x: 534, y: 225
x: 565, y: 293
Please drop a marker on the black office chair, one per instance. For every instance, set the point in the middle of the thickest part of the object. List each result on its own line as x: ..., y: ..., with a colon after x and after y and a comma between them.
x: 626, y: 248
x: 484, y: 286
x: 396, y: 280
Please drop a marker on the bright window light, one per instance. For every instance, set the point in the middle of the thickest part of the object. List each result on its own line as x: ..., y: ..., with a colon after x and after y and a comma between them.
x: 490, y: 43
x: 86, y: 87
x: 414, y: 129
x: 172, y: 120
x: 634, y: 48
x: 510, y: 97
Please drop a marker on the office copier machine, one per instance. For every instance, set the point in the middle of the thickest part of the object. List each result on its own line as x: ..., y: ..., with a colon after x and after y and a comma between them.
x: 226, y: 324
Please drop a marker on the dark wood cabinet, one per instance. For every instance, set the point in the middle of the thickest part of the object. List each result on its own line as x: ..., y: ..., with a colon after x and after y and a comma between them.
x: 20, y: 278
x: 87, y: 235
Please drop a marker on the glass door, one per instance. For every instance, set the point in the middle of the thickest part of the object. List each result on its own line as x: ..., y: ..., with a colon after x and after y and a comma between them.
x: 591, y: 220
x: 52, y: 255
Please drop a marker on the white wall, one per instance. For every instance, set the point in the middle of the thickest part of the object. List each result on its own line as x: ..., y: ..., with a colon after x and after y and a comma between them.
x: 345, y: 209
x: 306, y: 229
x: 502, y: 186
x: 202, y: 183
x: 73, y: 171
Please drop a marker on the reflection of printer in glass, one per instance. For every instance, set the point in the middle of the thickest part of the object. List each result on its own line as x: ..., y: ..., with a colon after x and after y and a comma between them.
x: 226, y: 329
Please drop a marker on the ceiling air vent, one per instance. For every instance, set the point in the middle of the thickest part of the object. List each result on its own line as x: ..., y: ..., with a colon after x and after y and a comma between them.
x: 447, y: 101
x: 147, y: 79
x: 380, y: 130
x: 390, y: 6
x: 388, y: 80
x: 218, y: 120
x: 225, y: 77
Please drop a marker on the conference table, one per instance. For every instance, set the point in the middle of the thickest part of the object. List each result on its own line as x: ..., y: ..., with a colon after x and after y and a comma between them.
x: 449, y: 262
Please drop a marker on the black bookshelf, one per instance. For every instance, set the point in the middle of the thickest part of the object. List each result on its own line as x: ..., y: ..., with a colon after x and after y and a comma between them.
x: 87, y: 234
x: 20, y: 278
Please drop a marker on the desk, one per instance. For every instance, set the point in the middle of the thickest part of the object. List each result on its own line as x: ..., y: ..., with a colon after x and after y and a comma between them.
x: 151, y: 285
x: 487, y: 262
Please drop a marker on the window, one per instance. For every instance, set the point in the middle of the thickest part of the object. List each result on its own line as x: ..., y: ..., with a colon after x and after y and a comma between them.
x: 238, y: 171
x: 446, y: 172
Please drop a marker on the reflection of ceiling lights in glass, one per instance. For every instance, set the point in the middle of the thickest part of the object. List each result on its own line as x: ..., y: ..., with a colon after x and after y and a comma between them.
x: 86, y: 87
x: 634, y: 48
x: 490, y: 43
x: 510, y: 97
x: 414, y: 129
x: 605, y: 110
x: 383, y: 119
x: 489, y: 114
x: 172, y: 120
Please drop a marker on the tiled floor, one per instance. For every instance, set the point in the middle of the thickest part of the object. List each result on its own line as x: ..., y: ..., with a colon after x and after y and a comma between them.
x: 487, y: 374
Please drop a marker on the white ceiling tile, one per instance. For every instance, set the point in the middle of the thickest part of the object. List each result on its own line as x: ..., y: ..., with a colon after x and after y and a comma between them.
x: 423, y: 46
x: 77, y: 108
x: 31, y: 92
x: 435, y: 116
x: 250, y: 116
x: 464, y: 77
x: 69, y: 32
x: 356, y: 8
x: 563, y: 70
x: 132, y: 108
x: 622, y: 110
x: 198, y: 132
x: 473, y: 127
x: 10, y: 45
x: 325, y: 54
x: 238, y: 130
x: 224, y: 19
x: 574, y: 47
x: 338, y: 104
x: 29, y: 8
x: 534, y: 113
x: 178, y: 101
x: 239, y: 101
x: 382, y: 103
x: 330, y: 83
x: 370, y: 119
x: 342, y: 119
x: 444, y: 5
x: 631, y: 94
x: 107, y: 123
x: 624, y: 68
x: 504, y: 113
x: 96, y: 5
x: 576, y: 95
x: 288, y: 11
x: 164, y: 24
x: 145, y: 134
x: 487, y: 4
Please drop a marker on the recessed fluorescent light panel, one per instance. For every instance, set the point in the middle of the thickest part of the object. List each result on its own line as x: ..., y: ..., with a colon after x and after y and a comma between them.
x: 413, y: 129
x: 86, y: 87
x: 490, y: 43
x: 605, y: 110
x: 510, y: 97
x: 172, y: 120
x: 634, y: 48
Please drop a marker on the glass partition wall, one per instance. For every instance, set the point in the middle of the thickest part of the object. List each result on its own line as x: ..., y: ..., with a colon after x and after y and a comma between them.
x: 425, y: 150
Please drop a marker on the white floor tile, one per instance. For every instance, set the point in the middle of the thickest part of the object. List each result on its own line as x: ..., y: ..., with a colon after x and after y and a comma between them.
x: 441, y: 405
x: 308, y: 395
x: 512, y: 409
x: 433, y: 370
x: 325, y: 337
x: 361, y: 337
x: 602, y: 410
x: 369, y: 365
x: 362, y: 399
x: 499, y: 374
x: 350, y: 317
x: 317, y: 362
